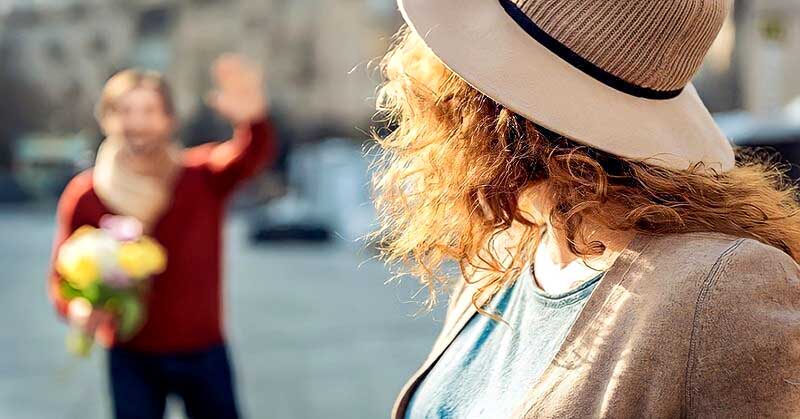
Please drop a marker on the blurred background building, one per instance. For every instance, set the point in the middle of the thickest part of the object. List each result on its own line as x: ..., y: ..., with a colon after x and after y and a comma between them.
x: 770, y: 55
x: 68, y: 48
x: 58, y: 53
x: 321, y: 350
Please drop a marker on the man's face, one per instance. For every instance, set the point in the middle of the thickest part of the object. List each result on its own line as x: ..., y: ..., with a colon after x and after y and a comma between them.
x: 141, y: 119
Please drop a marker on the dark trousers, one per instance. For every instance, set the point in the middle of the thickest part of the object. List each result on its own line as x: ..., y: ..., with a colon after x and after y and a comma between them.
x: 140, y: 383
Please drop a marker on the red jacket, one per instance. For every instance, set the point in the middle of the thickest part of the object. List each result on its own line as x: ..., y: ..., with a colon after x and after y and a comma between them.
x: 184, y: 306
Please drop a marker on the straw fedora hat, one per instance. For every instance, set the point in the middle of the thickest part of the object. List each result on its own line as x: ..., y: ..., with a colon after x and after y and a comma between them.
x: 611, y: 74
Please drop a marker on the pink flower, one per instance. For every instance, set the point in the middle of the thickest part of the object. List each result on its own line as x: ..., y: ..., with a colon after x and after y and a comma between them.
x: 122, y: 228
x: 118, y: 280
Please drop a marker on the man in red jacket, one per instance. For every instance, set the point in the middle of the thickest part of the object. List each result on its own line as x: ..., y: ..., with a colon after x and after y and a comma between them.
x: 179, y: 195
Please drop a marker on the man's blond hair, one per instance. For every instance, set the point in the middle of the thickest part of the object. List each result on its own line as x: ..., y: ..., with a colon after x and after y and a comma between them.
x: 126, y: 80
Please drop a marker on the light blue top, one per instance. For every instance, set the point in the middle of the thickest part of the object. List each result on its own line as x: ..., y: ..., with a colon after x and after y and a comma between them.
x: 488, y: 369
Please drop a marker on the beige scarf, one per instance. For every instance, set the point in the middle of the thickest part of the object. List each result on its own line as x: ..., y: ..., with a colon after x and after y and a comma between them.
x: 138, y: 189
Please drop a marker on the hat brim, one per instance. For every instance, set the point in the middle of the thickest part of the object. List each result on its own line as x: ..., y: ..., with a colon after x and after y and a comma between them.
x: 481, y: 43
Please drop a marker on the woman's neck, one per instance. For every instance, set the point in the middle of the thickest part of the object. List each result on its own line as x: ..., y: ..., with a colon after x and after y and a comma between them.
x: 556, y: 268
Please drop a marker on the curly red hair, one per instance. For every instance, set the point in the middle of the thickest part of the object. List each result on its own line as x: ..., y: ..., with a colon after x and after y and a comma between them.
x: 451, y: 176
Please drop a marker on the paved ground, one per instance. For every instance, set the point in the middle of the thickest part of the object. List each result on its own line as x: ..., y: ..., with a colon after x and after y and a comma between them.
x: 314, y: 331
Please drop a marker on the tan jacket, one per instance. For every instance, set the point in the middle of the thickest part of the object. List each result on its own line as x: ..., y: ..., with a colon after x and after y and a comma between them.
x: 700, y: 325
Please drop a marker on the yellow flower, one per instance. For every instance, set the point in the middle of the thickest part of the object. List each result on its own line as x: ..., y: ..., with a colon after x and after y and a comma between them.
x: 155, y: 256
x: 130, y: 257
x: 82, y: 231
x: 142, y: 259
x: 78, y: 268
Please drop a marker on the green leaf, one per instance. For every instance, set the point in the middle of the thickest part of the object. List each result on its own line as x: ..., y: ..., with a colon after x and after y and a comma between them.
x: 69, y: 292
x: 79, y: 344
x: 131, y: 317
x: 93, y: 294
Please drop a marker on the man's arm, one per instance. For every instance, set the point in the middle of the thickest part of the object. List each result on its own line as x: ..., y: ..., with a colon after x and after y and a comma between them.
x: 239, y: 96
x: 252, y: 148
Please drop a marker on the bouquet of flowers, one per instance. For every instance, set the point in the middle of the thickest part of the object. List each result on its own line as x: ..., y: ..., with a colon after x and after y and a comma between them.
x: 108, y: 268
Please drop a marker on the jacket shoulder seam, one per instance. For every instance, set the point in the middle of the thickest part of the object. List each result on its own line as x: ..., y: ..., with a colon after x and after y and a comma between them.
x: 702, y: 298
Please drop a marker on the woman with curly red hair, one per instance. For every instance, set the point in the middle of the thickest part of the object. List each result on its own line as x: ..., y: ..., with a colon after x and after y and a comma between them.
x: 618, y: 257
